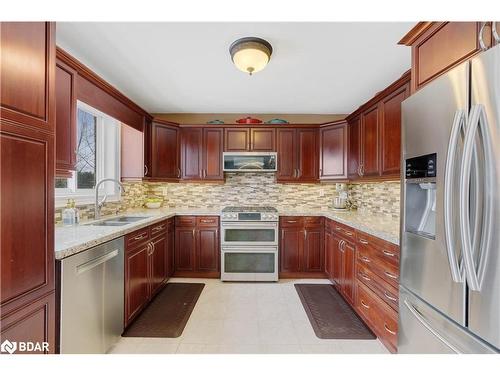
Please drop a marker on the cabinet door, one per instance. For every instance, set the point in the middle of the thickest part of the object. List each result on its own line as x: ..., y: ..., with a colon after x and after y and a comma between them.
x: 262, y: 139
x: 65, y: 119
x: 329, y: 255
x: 314, y: 256
x: 34, y: 322
x: 164, y: 151
x: 333, y: 152
x: 286, y: 147
x: 136, y: 280
x: 158, y: 266
x: 27, y: 68
x: 292, y: 240
x: 207, y: 252
x: 185, y: 246
x: 349, y: 275
x: 191, y: 153
x: 308, y: 155
x: 390, y: 132
x: 212, y: 152
x: 370, y: 165
x: 337, y: 268
x: 133, y: 165
x: 170, y: 249
x: 354, y: 148
x: 237, y: 139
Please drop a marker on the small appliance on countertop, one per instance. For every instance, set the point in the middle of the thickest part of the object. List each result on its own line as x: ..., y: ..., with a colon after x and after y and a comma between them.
x: 340, y: 201
x: 249, y: 244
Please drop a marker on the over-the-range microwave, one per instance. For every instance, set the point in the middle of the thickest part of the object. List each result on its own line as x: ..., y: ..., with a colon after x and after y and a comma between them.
x: 250, y: 161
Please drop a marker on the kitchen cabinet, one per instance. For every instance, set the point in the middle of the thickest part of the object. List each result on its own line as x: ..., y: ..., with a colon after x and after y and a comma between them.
x: 27, y: 157
x: 333, y: 152
x: 298, y: 155
x: 437, y: 47
x: 353, y: 160
x: 165, y: 160
x: 146, y: 266
x: 370, y: 165
x: 170, y: 247
x: 328, y: 253
x: 133, y: 165
x: 197, y: 250
x: 249, y: 139
x: 302, y: 250
x: 65, y: 119
x: 201, y: 154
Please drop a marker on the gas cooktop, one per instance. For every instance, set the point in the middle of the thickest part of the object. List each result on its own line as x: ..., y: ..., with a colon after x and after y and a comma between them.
x: 249, y: 209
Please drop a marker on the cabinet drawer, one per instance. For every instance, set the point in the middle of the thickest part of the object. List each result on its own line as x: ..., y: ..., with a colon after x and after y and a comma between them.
x: 385, y: 251
x: 381, y: 318
x: 159, y: 228
x: 385, y: 291
x: 137, y: 237
x: 185, y: 221
x: 207, y: 221
x: 291, y: 221
x: 386, y: 271
x: 343, y: 230
x: 313, y: 221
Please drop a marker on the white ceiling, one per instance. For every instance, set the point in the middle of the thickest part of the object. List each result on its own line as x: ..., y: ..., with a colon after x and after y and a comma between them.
x: 316, y: 68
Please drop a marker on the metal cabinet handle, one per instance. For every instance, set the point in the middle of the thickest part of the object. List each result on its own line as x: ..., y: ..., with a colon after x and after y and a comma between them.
x: 363, y: 276
x: 305, y: 233
x: 178, y: 172
x: 156, y: 229
x: 146, y: 170
x: 299, y: 173
x: 365, y: 259
x: 388, y: 253
x: 390, y: 275
x: 389, y: 330
x: 388, y: 296
x: 153, y: 248
x: 348, y: 233
x: 359, y: 170
x: 194, y: 230
x: 207, y: 221
x: 291, y: 221
x: 482, y: 45
x: 141, y: 236
x: 364, y: 242
x: 364, y: 304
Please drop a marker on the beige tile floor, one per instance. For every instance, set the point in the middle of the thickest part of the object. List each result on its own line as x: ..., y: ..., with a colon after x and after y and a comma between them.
x: 239, y: 318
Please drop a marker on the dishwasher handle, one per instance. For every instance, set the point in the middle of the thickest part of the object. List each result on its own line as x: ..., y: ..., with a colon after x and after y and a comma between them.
x: 87, y: 266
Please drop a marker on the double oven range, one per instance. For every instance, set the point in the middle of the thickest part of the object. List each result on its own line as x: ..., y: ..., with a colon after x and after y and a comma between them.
x: 249, y: 244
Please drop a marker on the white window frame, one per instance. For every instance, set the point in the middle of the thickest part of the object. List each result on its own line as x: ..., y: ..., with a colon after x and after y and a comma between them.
x: 105, y: 167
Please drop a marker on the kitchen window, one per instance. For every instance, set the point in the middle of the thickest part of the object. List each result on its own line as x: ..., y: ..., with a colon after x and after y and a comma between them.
x: 97, y: 157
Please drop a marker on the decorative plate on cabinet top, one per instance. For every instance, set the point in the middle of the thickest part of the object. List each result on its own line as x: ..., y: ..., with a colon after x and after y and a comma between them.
x: 215, y: 122
x: 277, y: 121
x: 249, y: 120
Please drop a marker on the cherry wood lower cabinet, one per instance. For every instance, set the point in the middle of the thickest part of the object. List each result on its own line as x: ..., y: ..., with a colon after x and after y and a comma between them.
x: 197, y: 250
x: 146, y: 266
x: 302, y: 247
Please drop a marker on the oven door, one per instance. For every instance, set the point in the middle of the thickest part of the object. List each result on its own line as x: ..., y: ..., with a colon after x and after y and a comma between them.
x: 249, y: 263
x: 249, y: 234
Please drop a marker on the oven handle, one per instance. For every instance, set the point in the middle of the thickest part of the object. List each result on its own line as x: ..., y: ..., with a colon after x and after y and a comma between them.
x: 250, y: 225
x: 248, y: 249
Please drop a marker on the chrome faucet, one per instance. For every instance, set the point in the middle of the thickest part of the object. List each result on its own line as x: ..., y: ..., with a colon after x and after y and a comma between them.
x: 98, y: 205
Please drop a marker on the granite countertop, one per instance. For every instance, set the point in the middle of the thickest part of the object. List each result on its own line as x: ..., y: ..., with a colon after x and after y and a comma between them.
x: 70, y: 240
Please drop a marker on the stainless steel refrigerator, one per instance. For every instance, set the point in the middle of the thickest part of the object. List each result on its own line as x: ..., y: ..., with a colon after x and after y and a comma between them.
x: 450, y: 229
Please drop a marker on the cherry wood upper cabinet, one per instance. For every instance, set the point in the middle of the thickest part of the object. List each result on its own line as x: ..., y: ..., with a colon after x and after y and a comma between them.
x: 27, y: 168
x: 298, y: 155
x: 370, y: 142
x: 262, y: 139
x: 437, y: 47
x: 191, y: 153
x: 165, y: 151
x: 65, y: 119
x: 353, y: 162
x: 333, y: 152
x: 250, y: 139
x: 390, y: 132
x: 27, y: 69
x: 213, y: 145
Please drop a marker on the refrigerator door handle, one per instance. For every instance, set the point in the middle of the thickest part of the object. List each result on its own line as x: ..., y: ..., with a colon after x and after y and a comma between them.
x: 421, y: 318
x: 495, y: 32
x: 475, y: 275
x: 451, y: 158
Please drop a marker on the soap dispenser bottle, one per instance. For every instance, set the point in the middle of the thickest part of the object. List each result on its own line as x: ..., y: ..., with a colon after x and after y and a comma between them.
x: 68, y: 215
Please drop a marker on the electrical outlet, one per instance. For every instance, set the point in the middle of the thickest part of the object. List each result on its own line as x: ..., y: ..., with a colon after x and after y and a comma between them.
x: 164, y: 190
x: 321, y: 193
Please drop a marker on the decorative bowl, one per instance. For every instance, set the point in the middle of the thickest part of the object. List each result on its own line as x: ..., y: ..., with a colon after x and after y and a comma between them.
x: 249, y: 120
x: 153, y: 204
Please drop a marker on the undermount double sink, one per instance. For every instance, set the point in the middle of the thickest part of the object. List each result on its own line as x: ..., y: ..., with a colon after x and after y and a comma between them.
x: 118, y: 221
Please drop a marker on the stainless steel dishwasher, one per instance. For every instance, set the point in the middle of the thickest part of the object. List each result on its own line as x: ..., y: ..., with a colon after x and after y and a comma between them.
x: 92, y: 293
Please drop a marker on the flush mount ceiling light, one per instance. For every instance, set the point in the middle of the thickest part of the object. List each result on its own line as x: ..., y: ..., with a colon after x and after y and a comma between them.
x: 250, y: 54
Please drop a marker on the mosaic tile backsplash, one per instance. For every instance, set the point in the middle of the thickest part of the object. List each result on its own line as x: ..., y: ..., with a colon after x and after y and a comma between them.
x: 243, y: 189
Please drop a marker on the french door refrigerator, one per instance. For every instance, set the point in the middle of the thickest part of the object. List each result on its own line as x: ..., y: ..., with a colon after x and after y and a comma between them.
x: 450, y: 230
